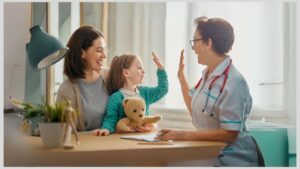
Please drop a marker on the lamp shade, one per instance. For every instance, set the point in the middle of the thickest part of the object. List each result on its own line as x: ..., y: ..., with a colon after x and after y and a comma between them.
x: 43, y: 49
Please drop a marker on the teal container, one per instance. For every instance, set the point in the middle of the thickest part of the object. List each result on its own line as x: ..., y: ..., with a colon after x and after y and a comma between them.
x: 273, y: 143
x: 292, y: 147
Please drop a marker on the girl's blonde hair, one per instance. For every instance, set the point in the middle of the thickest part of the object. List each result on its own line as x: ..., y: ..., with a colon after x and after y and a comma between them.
x: 115, y: 79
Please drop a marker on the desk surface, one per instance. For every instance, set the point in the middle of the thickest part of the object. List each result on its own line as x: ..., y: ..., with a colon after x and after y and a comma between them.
x: 110, y: 150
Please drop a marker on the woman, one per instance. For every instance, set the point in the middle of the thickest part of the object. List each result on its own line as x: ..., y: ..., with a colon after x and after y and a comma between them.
x: 220, y: 103
x: 85, y: 86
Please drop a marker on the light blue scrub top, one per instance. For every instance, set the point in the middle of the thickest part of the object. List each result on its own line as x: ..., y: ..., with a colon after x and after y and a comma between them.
x: 228, y: 110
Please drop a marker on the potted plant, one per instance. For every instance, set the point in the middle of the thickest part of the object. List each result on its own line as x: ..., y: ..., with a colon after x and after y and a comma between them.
x: 31, y: 115
x: 51, y: 127
x: 45, y: 120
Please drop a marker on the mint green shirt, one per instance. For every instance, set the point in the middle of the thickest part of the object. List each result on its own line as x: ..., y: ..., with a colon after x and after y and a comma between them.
x: 114, y: 107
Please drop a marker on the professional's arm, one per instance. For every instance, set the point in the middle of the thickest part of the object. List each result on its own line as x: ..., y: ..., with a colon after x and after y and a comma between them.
x: 205, y: 135
x: 184, y: 84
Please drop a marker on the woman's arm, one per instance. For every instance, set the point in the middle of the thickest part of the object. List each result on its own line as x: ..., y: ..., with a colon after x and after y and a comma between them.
x: 66, y: 92
x: 184, y: 84
x: 227, y: 136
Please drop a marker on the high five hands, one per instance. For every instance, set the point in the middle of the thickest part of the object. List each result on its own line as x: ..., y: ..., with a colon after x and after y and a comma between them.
x: 157, y: 61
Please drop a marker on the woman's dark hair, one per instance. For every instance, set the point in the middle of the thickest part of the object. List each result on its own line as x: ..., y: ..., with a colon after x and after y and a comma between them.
x: 81, y: 39
x: 116, y: 79
x: 218, y: 30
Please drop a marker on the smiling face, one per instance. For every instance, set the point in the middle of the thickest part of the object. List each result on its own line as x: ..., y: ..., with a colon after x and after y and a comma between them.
x: 200, y: 48
x: 95, y: 55
x: 135, y: 73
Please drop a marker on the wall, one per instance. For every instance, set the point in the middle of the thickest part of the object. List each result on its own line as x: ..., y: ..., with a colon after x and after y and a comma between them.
x: 17, y: 21
x: 35, y: 92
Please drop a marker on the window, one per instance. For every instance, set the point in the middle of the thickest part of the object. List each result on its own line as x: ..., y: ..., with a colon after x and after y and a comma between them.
x: 263, y: 51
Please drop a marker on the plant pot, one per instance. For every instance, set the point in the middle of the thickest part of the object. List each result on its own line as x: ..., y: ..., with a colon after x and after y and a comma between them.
x: 34, y: 127
x: 52, y: 134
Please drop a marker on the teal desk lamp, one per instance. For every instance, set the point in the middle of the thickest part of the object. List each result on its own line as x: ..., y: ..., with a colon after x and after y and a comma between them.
x: 43, y: 51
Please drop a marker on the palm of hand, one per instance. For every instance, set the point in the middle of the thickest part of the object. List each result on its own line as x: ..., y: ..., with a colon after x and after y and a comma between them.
x: 157, y: 61
x: 181, y: 66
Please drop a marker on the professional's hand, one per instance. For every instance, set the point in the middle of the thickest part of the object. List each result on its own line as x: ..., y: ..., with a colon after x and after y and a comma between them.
x: 145, y: 128
x: 167, y: 134
x: 180, y: 73
x: 100, y: 132
x: 157, y: 61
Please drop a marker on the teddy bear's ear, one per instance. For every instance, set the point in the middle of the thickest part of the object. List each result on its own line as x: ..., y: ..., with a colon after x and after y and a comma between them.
x: 125, y: 101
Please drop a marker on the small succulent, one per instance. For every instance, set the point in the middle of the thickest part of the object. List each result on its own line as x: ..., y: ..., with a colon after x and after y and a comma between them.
x: 44, y: 112
x: 29, y: 110
x: 54, y: 113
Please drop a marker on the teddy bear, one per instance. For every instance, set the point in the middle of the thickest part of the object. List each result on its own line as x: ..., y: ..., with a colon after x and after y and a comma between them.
x: 134, y: 108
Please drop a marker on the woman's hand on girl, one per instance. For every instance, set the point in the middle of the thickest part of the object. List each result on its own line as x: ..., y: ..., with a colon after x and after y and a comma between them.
x: 130, y: 130
x: 100, y: 132
x: 145, y: 128
x: 157, y: 61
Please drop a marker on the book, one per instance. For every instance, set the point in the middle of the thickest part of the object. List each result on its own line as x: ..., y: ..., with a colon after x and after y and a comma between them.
x: 147, y: 139
x: 141, y: 137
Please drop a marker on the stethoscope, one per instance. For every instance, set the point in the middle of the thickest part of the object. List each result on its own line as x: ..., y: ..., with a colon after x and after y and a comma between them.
x: 226, y: 71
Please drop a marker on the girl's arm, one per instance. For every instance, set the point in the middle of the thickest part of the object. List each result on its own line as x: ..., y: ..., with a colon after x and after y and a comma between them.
x: 153, y: 94
x: 184, y: 84
x: 111, y: 117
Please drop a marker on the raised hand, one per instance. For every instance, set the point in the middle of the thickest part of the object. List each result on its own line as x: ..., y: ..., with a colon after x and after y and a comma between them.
x: 157, y: 61
x: 180, y: 73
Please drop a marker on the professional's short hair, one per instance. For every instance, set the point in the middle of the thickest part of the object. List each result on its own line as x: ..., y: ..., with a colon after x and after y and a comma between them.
x: 81, y: 39
x: 218, y: 30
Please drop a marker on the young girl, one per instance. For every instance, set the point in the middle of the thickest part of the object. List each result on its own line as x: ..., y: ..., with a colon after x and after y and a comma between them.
x: 126, y: 73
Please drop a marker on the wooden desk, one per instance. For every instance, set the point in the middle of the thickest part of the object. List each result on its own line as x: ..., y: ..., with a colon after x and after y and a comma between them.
x: 24, y: 150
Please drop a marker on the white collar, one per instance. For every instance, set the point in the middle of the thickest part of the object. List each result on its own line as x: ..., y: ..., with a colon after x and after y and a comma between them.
x: 128, y: 93
x: 219, y: 69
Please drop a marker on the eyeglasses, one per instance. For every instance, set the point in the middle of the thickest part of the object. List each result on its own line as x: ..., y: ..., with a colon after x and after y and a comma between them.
x: 193, y: 41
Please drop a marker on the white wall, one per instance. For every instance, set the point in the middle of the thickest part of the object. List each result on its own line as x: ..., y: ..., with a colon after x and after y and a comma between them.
x: 296, y: 115
x: 17, y: 22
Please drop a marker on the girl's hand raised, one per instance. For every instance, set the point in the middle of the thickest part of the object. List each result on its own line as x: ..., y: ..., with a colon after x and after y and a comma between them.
x: 157, y: 61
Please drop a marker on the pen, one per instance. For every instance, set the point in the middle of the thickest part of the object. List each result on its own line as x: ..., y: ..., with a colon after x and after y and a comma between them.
x: 169, y: 142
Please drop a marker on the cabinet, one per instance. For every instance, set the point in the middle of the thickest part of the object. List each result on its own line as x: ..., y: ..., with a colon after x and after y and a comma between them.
x: 277, y: 146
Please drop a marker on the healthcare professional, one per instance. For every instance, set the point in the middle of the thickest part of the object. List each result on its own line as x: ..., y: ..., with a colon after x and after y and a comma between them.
x: 220, y: 103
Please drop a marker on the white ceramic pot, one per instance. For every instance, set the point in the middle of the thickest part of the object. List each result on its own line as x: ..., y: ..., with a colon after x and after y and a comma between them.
x: 52, y: 134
